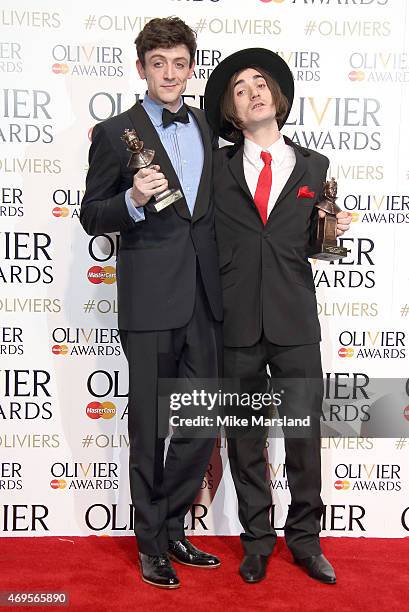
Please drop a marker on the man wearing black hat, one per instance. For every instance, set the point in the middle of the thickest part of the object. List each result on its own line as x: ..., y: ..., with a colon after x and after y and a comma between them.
x: 265, y: 188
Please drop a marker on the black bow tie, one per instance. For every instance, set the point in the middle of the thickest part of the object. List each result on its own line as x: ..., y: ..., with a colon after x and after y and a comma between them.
x: 180, y: 115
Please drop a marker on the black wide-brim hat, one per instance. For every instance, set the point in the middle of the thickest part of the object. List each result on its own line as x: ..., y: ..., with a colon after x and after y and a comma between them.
x: 219, y: 79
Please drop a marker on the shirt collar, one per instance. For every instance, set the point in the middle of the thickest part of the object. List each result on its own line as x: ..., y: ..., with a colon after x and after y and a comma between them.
x: 154, y: 109
x: 278, y: 151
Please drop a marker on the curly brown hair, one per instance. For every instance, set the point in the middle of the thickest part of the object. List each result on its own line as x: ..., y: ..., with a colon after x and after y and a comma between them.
x: 165, y: 33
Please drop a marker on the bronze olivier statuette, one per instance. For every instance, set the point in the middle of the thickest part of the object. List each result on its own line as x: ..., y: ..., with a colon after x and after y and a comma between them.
x: 143, y: 158
x: 324, y: 245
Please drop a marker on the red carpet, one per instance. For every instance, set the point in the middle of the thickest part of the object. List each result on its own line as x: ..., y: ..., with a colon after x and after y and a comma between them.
x: 100, y: 574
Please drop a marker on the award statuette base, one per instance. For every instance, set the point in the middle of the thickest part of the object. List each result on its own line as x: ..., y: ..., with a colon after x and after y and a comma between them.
x: 166, y: 198
x: 327, y: 252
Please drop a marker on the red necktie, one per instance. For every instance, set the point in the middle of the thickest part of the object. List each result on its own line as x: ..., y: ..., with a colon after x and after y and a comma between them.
x: 263, y: 189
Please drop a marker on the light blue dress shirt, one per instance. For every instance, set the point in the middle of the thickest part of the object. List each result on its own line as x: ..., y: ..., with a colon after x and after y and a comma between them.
x: 184, y: 146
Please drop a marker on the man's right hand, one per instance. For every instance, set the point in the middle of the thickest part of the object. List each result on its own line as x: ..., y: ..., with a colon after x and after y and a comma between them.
x: 146, y: 183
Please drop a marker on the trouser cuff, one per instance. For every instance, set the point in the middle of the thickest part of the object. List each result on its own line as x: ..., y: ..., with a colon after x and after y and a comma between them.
x: 263, y: 546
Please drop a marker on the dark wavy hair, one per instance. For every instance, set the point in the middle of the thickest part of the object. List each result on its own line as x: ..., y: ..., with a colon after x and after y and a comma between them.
x: 165, y: 33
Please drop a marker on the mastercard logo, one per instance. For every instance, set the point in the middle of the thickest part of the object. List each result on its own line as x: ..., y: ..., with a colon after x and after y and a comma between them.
x: 406, y: 413
x: 60, y: 68
x: 60, y: 211
x: 354, y: 217
x: 58, y: 484
x: 342, y: 485
x: 98, y: 410
x: 99, y: 274
x: 346, y: 352
x: 60, y: 349
x: 356, y: 75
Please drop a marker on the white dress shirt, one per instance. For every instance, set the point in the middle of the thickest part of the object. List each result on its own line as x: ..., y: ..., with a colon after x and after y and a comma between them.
x: 282, y: 164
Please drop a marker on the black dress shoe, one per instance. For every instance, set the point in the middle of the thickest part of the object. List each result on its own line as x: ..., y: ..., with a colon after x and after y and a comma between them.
x: 318, y: 567
x: 158, y: 570
x: 184, y: 552
x: 253, y: 568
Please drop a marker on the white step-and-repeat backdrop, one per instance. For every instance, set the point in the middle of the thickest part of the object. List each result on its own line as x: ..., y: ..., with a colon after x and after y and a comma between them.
x: 65, y: 66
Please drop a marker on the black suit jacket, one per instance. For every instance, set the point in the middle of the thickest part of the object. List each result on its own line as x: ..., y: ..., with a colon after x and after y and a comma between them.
x: 157, y: 257
x: 266, y: 278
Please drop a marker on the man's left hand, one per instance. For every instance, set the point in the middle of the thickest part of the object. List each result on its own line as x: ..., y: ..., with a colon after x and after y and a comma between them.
x: 343, y: 221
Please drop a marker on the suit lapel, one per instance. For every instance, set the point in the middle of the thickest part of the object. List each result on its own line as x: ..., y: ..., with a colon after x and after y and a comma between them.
x: 203, y: 192
x: 236, y: 167
x: 147, y: 133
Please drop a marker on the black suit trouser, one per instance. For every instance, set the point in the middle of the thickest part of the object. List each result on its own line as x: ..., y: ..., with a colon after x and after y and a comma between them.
x: 163, y: 490
x: 247, y: 449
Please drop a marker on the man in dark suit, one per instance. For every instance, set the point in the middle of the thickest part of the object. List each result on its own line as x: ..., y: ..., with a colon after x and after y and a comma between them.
x: 169, y: 297
x: 265, y: 188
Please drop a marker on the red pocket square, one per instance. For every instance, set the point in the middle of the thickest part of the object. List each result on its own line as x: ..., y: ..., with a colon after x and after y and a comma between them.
x: 304, y: 192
